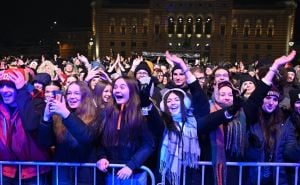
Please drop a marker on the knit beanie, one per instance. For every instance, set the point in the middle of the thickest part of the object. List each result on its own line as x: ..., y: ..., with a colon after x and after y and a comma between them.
x: 43, y: 78
x: 290, y: 69
x: 274, y: 91
x: 4, y: 76
x: 143, y: 66
x: 294, y: 96
x: 246, y: 78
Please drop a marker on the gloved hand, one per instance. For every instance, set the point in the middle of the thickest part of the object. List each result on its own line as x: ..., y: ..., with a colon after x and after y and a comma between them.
x: 238, y: 102
x: 145, y: 92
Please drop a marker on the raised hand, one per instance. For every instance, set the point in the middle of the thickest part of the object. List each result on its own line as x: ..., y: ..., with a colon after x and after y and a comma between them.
x: 175, y: 59
x: 284, y: 59
x: 59, y: 107
x: 18, y: 78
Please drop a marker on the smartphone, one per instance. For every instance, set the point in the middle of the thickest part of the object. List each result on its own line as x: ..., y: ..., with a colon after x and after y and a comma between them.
x: 58, y: 95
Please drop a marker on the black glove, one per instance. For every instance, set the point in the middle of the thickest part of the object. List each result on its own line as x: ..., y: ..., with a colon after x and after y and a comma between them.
x: 238, y: 102
x: 144, y: 92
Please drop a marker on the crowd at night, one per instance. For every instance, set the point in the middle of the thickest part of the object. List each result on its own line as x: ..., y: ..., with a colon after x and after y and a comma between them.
x: 164, y: 112
x: 184, y: 103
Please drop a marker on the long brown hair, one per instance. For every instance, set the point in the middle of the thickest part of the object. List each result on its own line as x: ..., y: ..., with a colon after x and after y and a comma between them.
x: 167, y: 115
x: 132, y: 117
x: 86, y: 111
x: 270, y: 127
x: 98, y: 92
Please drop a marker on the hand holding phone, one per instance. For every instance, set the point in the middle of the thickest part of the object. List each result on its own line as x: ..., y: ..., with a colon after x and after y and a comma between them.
x: 57, y: 95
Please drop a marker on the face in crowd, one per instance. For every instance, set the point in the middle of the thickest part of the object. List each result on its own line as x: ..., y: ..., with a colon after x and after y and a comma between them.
x: 200, y: 77
x: 179, y: 77
x: 141, y: 73
x: 49, y: 92
x: 270, y: 103
x: 94, y: 81
x: 225, y: 96
x: 107, y: 92
x: 173, y: 103
x: 73, y: 96
x: 221, y: 75
x: 70, y: 79
x: 248, y: 86
x: 38, y: 86
x: 121, y: 91
x: 290, y: 76
x: 8, y: 94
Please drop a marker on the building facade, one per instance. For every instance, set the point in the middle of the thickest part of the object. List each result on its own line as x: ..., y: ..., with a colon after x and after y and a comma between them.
x: 216, y: 30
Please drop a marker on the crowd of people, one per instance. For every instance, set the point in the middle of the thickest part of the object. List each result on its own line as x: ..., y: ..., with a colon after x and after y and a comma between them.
x: 166, y: 114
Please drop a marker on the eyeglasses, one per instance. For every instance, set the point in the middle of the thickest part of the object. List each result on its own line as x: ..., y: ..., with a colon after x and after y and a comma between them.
x: 201, y: 78
x: 142, y: 73
x: 220, y: 75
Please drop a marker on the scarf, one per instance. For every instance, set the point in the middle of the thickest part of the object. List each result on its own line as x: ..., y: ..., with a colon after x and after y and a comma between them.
x: 218, y: 150
x: 234, y: 144
x: 178, y: 150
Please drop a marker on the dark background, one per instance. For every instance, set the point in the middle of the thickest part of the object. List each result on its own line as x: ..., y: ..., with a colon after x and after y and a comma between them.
x: 30, y: 20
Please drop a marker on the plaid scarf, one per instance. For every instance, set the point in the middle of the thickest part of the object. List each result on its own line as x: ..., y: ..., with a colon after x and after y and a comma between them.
x: 178, y: 150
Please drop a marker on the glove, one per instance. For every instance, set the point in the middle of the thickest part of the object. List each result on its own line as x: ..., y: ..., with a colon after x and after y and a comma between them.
x: 144, y: 92
x: 238, y: 102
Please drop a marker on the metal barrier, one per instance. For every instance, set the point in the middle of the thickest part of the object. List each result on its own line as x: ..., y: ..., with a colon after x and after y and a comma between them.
x: 75, y: 165
x: 241, y: 166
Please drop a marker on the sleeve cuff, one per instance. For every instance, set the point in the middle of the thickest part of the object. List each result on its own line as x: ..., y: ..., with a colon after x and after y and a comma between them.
x: 191, y: 79
x: 266, y: 82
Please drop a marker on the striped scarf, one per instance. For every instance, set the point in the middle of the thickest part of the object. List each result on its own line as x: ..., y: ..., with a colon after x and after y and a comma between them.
x: 177, y: 151
x: 234, y: 144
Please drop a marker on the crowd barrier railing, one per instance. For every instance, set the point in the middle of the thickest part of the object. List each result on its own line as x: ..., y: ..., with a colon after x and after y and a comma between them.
x: 241, y: 166
x: 56, y: 165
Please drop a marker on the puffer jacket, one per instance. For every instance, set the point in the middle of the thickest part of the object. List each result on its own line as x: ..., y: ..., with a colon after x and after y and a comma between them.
x: 16, y: 142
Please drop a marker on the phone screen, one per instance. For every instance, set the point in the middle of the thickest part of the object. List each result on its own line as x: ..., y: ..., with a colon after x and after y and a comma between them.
x: 57, y: 95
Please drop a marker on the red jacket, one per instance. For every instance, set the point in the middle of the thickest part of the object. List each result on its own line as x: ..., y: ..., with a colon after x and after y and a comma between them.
x: 16, y: 144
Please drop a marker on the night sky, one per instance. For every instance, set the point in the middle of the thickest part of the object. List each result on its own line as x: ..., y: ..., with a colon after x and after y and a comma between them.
x: 29, y: 20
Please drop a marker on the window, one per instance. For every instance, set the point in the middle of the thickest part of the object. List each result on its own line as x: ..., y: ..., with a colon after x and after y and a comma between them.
x: 270, y: 31
x: 207, y: 47
x: 208, y: 26
x: 145, y: 44
x: 234, y: 28
x: 156, y: 25
x: 246, y: 28
x: 134, y: 26
x: 199, y: 26
x: 133, y: 44
x: 123, y: 44
x: 112, y: 26
x: 180, y: 25
x: 189, y: 25
x: 223, y: 26
x: 269, y: 47
x: 258, y: 28
x: 123, y: 26
x: 156, y: 29
x: 171, y: 26
x: 145, y: 26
